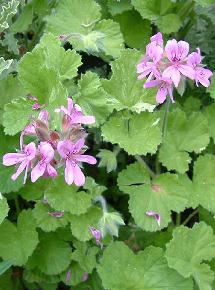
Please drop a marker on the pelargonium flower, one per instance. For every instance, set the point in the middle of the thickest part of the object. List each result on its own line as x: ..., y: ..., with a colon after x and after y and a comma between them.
x: 72, y: 154
x: 165, y: 88
x: 44, y: 166
x: 202, y: 75
x: 75, y: 114
x: 155, y: 215
x: 24, y: 158
x: 96, y: 234
x: 177, y: 53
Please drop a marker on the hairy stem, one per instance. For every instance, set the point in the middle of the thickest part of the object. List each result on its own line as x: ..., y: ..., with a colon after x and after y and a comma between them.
x: 102, y: 201
x: 190, y: 217
x: 145, y: 165
x: 178, y: 219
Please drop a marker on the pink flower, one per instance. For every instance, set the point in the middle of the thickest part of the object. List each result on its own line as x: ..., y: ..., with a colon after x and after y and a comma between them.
x: 158, y: 38
x: 56, y: 214
x: 155, y: 215
x: 75, y: 114
x: 43, y: 166
x: 96, y: 234
x: 177, y: 53
x: 36, y: 106
x: 165, y: 89
x: 202, y: 75
x: 25, y: 158
x: 72, y: 155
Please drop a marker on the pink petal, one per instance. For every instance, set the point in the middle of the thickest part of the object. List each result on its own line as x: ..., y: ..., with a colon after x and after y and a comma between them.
x: 161, y: 95
x: 70, y: 106
x: 85, y: 119
x: 38, y: 171
x: 203, y: 75
x: 79, y: 178
x: 172, y: 73
x: 13, y: 158
x: 51, y: 171
x: 64, y: 148
x: 183, y: 49
x: 152, y: 84
x: 78, y: 145
x: 171, y: 49
x: 30, y: 150
x: 158, y: 38
x: 69, y: 174
x: 20, y: 169
x: 155, y: 215
x: 194, y: 59
x: 86, y: 158
x: 44, y: 116
x: 187, y: 71
x: 46, y: 151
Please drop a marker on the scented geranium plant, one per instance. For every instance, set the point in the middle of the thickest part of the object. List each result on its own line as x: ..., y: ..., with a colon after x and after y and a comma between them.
x: 107, y: 125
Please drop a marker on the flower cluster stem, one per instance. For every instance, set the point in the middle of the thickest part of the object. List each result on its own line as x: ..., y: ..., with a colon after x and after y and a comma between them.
x: 102, y: 201
x: 186, y: 221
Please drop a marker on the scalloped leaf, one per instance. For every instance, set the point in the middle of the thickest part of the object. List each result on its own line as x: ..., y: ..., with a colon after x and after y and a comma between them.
x: 121, y: 269
x: 17, y: 243
x: 125, y: 90
x: 187, y: 251
x: 181, y: 137
x: 168, y: 192
x: 209, y: 113
x: 4, y: 208
x: 136, y: 134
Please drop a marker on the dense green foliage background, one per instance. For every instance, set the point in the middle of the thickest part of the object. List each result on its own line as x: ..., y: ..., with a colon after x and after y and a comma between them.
x: 140, y: 168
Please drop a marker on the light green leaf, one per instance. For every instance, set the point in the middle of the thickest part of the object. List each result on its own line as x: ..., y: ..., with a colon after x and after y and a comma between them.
x: 131, y: 23
x: 147, y: 9
x: 92, y: 98
x: 4, y: 208
x: 168, y: 192
x: 211, y: 88
x: 204, y: 182
x: 108, y: 159
x: 118, y: 7
x: 164, y: 26
x: 63, y: 197
x: 110, y: 223
x: 85, y: 256
x: 52, y: 256
x: 209, y: 113
x: 11, y: 42
x: 79, y: 21
x: 45, y: 221
x: 24, y: 20
x: 134, y: 174
x: 121, y: 269
x: 137, y: 133
x: 5, y: 64
x: 80, y: 224
x: 17, y: 243
x: 35, y: 191
x: 7, y: 12
x: 93, y: 188
x: 188, y: 249
x: 126, y: 92
x: 19, y: 109
x: 181, y: 137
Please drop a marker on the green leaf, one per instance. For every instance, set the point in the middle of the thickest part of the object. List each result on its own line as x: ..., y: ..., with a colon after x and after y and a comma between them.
x: 108, y: 159
x: 8, y: 144
x: 211, y: 88
x: 209, y: 113
x: 187, y: 251
x: 147, y: 9
x: 118, y: 7
x: 63, y: 197
x: 131, y: 23
x: 110, y: 223
x: 204, y: 3
x: 24, y: 19
x: 19, y: 109
x: 4, y: 266
x: 133, y: 174
x: 34, y: 191
x: 6, y: 281
x: 18, y: 242
x: 4, y: 208
x: 52, y: 256
x: 93, y: 188
x: 181, y: 137
x: 80, y: 224
x: 7, y: 12
x: 5, y: 64
x: 204, y: 183
x: 92, y: 98
x: 126, y: 92
x: 169, y: 192
x: 121, y: 269
x: 137, y: 133
x: 11, y: 42
x: 79, y: 21
x: 164, y: 26
x: 76, y: 275
x: 45, y: 221
x: 85, y: 256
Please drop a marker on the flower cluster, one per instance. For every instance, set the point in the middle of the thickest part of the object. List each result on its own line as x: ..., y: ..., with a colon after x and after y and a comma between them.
x: 53, y: 149
x: 166, y: 67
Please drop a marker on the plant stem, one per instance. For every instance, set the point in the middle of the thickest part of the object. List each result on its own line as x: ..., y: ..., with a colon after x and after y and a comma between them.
x: 145, y: 165
x: 157, y: 163
x: 178, y: 219
x: 190, y: 217
x: 102, y: 201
